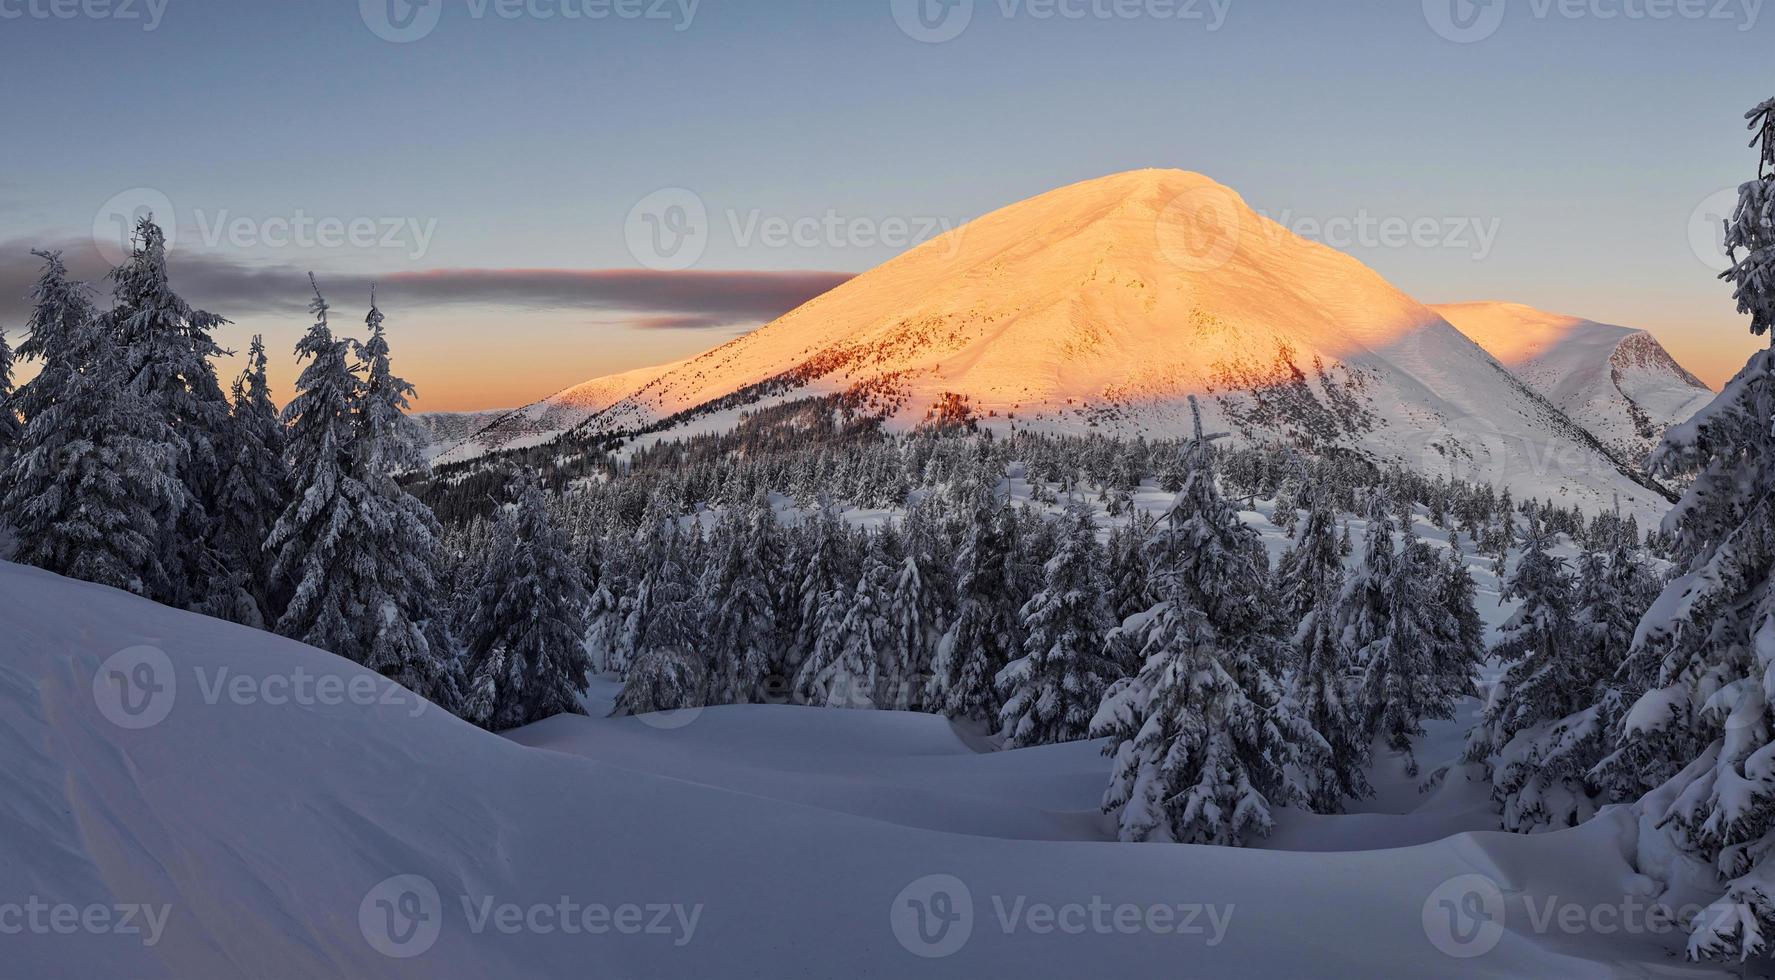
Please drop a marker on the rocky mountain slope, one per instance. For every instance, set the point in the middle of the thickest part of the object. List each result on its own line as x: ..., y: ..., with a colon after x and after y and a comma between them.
x: 1617, y: 382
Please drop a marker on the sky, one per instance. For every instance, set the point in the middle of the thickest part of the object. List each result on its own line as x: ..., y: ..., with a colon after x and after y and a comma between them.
x: 519, y: 175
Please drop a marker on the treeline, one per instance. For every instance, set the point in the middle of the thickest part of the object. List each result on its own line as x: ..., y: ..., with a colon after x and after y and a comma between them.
x: 124, y: 463
x: 721, y: 570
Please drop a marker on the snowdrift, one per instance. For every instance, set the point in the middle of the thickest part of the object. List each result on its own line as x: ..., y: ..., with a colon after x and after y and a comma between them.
x: 282, y: 813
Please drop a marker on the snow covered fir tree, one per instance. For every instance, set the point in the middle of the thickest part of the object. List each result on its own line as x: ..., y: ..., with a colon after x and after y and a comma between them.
x: 1702, y: 734
x: 1203, y: 738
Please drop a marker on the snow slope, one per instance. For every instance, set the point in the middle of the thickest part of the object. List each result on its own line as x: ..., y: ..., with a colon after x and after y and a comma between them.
x: 446, y: 430
x: 268, y: 812
x: 1618, y: 382
x: 1102, y: 306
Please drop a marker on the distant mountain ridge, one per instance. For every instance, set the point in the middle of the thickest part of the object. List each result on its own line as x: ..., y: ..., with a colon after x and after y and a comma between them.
x: 1100, y: 307
x: 1618, y: 382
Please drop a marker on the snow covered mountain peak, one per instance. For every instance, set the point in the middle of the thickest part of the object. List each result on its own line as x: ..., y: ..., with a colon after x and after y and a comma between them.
x: 1100, y: 307
x: 1618, y: 382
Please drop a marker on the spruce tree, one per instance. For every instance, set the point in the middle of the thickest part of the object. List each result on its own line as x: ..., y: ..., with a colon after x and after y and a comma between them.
x: 166, y: 347
x: 1313, y: 568
x: 92, y: 475
x: 1204, y: 739
x: 1130, y: 589
x: 656, y: 567
x: 984, y: 631
x: 523, y: 629
x: 843, y: 668
x: 607, y: 562
x: 1309, y: 581
x: 1541, y: 626
x: 1503, y: 537
x: 393, y: 443
x: 667, y: 669
x: 1544, y: 776
x: 9, y: 414
x: 1389, y: 626
x: 917, y: 612
x: 312, y: 539
x: 1204, y: 554
x: 1460, y: 640
x: 408, y: 641
x: 1053, y: 690
x: 742, y: 630
x: 1705, y: 727
x: 1547, y: 679
x: 823, y: 565
x: 253, y: 491
x: 359, y: 551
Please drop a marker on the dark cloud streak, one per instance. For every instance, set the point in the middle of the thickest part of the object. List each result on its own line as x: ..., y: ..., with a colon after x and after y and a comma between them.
x: 661, y: 300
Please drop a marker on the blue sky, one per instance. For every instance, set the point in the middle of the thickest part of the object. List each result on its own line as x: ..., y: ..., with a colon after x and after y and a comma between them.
x: 1584, y: 143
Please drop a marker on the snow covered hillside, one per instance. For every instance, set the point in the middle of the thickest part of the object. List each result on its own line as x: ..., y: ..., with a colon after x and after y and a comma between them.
x: 445, y: 430
x: 1617, y: 382
x: 1101, y: 307
x: 189, y: 798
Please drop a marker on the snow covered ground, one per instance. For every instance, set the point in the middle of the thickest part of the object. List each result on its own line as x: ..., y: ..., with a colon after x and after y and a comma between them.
x: 182, y: 797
